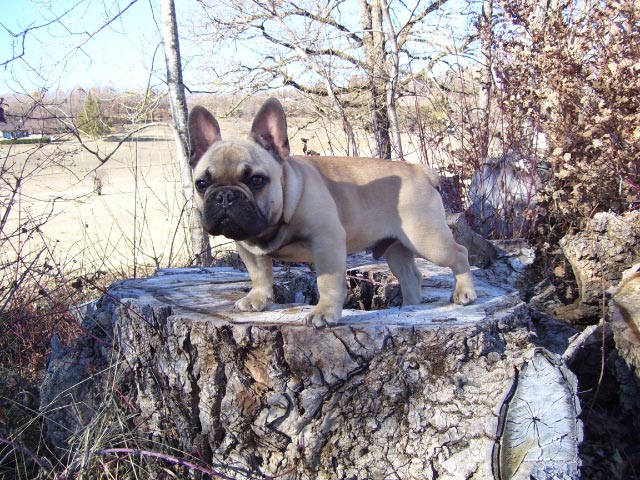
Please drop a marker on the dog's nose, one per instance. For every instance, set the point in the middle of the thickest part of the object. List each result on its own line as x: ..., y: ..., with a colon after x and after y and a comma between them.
x: 225, y: 198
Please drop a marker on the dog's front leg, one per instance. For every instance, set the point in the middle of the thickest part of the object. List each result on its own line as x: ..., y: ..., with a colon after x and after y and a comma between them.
x: 260, y: 268
x: 330, y: 259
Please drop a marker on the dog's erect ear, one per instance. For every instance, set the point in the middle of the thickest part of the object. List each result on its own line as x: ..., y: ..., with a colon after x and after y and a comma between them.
x: 269, y: 129
x: 203, y: 132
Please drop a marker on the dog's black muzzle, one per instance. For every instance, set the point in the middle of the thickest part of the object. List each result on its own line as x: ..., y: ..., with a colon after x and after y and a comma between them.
x: 229, y: 211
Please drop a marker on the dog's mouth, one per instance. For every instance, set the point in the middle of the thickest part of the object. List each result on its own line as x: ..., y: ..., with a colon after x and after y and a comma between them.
x: 226, y: 225
x: 230, y: 229
x: 235, y: 227
x: 231, y: 214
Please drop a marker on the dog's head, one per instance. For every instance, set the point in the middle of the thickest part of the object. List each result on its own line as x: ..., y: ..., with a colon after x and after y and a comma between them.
x: 243, y: 187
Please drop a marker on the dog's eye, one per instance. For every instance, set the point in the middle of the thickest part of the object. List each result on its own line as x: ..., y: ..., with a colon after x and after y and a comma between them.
x: 256, y: 180
x: 201, y: 185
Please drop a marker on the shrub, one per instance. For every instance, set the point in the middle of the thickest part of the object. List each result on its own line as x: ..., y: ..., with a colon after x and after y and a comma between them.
x: 574, y: 75
x: 92, y: 120
x: 25, y: 141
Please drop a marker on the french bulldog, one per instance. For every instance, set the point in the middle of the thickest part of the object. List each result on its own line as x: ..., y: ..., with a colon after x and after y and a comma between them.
x: 318, y: 209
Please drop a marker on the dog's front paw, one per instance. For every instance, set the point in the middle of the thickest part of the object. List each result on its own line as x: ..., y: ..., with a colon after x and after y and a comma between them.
x: 464, y: 295
x: 253, y: 302
x: 324, y: 316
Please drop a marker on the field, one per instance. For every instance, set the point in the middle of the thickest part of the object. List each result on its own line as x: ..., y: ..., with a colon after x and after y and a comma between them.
x: 124, y: 216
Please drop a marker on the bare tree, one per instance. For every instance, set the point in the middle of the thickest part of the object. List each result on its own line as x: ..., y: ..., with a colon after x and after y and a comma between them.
x: 350, y: 65
x: 199, y: 238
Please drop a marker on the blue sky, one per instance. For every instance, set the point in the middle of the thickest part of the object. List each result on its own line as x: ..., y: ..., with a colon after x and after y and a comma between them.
x: 68, y: 45
x: 75, y: 51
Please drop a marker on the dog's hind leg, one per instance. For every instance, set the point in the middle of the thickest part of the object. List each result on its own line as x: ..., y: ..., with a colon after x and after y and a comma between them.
x: 436, y: 244
x: 402, y: 263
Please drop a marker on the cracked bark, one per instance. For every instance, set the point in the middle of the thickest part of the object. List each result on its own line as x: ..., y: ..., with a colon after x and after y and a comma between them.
x: 397, y: 393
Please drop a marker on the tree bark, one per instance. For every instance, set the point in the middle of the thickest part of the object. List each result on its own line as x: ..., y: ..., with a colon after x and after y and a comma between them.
x: 374, y: 51
x: 407, y: 393
x: 199, y: 239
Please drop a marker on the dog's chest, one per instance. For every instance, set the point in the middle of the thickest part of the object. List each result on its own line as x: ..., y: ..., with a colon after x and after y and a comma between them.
x: 281, y: 245
x: 298, y: 251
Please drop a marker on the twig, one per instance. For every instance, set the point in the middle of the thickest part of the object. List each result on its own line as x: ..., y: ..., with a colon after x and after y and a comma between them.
x: 578, y: 342
x: 42, y: 463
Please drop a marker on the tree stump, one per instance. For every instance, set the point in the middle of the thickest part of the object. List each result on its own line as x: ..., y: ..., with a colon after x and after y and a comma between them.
x: 428, y: 391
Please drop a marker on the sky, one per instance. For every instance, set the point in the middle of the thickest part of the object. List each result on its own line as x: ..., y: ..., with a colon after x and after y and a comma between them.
x: 66, y: 45
x: 86, y: 43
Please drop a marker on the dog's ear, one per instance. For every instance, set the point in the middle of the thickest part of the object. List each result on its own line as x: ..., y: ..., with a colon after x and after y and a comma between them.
x: 269, y: 129
x: 203, y: 132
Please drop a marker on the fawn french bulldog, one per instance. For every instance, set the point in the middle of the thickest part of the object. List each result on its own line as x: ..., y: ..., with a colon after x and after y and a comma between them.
x: 317, y: 209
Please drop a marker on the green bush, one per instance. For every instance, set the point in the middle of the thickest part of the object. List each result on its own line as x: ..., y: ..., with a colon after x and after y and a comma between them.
x: 19, y: 141
x: 92, y: 121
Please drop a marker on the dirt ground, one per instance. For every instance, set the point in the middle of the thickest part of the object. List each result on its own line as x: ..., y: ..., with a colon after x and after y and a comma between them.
x: 94, y: 214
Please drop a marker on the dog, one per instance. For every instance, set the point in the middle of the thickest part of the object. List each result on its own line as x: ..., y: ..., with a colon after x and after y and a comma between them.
x: 318, y: 209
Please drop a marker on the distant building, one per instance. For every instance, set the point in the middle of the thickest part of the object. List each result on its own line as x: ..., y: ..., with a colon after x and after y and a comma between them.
x: 20, y: 120
x: 13, y: 129
x: 2, y: 104
x: 36, y: 122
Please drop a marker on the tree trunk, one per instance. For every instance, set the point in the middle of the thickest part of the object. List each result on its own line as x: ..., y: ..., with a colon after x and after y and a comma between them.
x: 428, y: 391
x: 486, y: 84
x: 199, y: 238
x: 392, y: 83
x: 374, y: 49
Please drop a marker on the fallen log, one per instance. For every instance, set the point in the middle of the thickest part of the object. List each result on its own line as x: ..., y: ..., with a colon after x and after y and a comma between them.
x: 624, y: 316
x: 598, y: 255
x: 428, y: 391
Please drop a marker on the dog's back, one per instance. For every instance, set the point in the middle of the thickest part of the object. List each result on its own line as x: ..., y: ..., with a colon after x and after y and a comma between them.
x: 365, y: 169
